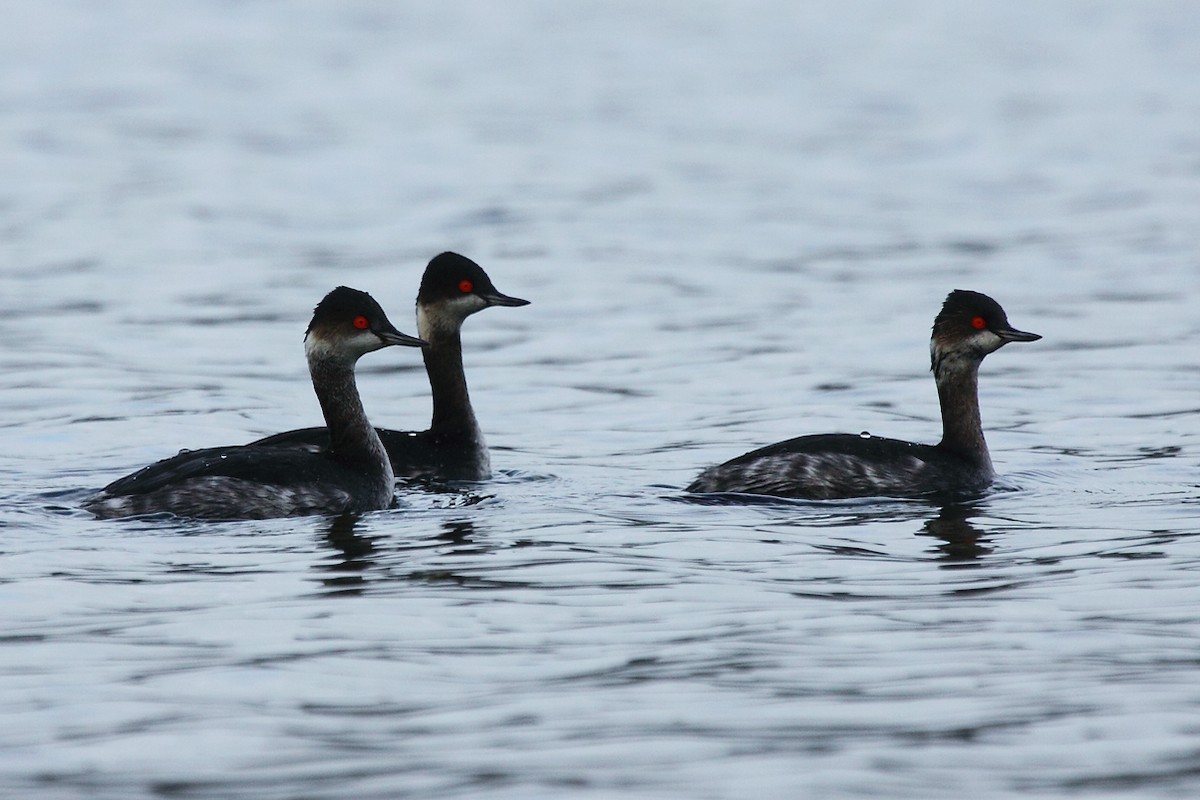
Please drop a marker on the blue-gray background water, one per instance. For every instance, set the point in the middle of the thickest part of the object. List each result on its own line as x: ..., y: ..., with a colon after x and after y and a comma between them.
x: 735, y: 222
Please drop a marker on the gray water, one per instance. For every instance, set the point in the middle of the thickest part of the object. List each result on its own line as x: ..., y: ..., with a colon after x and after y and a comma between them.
x: 735, y: 222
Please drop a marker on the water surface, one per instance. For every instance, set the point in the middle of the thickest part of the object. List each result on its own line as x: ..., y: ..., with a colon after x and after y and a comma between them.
x: 736, y: 222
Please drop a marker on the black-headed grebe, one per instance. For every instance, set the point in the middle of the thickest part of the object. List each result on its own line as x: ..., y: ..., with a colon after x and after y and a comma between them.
x: 241, y: 482
x: 453, y: 288
x: 839, y: 465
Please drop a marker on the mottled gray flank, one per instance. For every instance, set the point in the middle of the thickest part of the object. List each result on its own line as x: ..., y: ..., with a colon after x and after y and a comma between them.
x: 220, y: 497
x: 906, y: 470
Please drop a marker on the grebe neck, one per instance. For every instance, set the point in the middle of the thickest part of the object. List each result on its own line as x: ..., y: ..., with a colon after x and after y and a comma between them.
x: 352, y: 438
x: 962, y: 426
x: 452, y: 412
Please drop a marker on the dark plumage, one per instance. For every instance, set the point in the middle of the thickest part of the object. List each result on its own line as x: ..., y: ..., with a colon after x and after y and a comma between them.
x: 242, y: 482
x: 839, y: 465
x: 453, y: 448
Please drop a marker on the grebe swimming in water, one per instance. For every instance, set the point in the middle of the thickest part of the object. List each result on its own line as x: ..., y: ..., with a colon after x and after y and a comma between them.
x: 839, y: 465
x: 243, y: 482
x: 453, y: 288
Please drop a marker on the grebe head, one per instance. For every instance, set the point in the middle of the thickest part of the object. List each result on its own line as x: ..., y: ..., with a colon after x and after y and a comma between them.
x: 348, y: 323
x: 453, y: 288
x: 969, y: 326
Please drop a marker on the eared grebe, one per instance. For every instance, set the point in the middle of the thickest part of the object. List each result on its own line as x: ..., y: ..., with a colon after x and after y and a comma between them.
x: 243, y: 482
x: 453, y: 288
x: 838, y: 465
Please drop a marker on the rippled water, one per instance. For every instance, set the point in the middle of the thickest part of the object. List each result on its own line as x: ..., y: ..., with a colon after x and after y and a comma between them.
x: 735, y: 222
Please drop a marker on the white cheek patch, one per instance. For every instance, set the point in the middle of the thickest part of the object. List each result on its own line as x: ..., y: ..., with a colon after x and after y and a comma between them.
x: 965, y: 354
x: 427, y: 324
x: 448, y: 315
x: 321, y: 347
x: 318, y: 347
x: 986, y: 342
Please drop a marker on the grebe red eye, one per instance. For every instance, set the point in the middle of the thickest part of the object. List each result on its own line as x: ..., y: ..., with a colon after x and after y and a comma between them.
x: 465, y: 286
x: 979, y: 323
x: 362, y: 323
